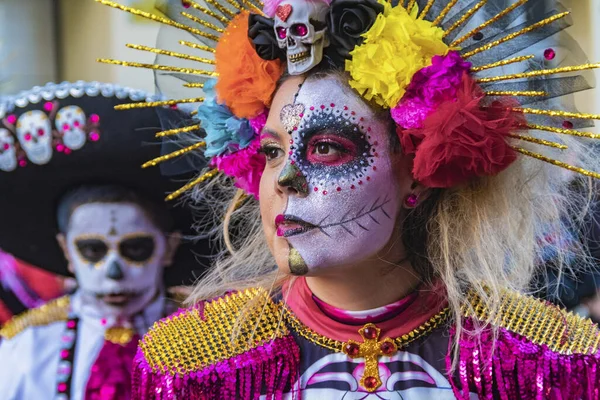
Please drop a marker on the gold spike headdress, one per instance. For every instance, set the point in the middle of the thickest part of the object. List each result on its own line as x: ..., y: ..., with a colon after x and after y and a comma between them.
x: 433, y: 63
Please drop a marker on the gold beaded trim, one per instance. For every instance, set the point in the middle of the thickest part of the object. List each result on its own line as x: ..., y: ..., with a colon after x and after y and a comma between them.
x: 119, y: 335
x: 540, y: 322
x: 53, y: 311
x: 187, y: 342
x: 335, y: 345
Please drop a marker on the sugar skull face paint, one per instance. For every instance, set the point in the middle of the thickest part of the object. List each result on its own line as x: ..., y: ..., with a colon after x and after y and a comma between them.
x: 342, y: 197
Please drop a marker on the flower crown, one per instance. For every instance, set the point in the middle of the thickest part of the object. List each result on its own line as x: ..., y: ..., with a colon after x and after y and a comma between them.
x: 457, y: 120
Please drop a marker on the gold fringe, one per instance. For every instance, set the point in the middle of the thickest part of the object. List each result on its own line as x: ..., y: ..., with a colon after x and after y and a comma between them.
x: 171, y: 53
x: 540, y: 72
x: 561, y: 164
x: 176, y: 131
x: 131, y: 106
x: 208, y: 175
x: 154, y: 162
x: 562, y: 131
x: 502, y: 63
x: 203, y: 22
x: 444, y: 12
x: 465, y: 17
x: 531, y: 93
x: 157, y: 18
x: 510, y: 37
x: 556, y: 113
x: 53, y: 311
x: 197, y: 46
x: 208, y: 12
x: 481, y: 27
x: 158, y: 67
x: 221, y: 9
x: 194, y: 85
x: 426, y: 9
x: 542, y: 142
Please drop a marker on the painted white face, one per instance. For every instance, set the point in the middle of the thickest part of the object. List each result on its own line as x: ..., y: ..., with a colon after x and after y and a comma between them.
x: 8, y: 152
x: 70, y: 123
x: 300, y: 30
x: 117, y: 253
x: 340, y: 165
x: 34, y: 132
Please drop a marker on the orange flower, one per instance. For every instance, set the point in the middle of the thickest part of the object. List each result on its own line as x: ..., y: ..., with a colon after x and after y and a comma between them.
x: 246, y: 82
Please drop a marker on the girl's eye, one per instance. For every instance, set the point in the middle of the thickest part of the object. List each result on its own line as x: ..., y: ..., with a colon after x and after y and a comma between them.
x: 271, y: 152
x: 330, y: 151
x: 325, y: 149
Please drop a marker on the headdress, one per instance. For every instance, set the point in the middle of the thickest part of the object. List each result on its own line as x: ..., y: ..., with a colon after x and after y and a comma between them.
x: 472, y: 85
x: 56, y: 137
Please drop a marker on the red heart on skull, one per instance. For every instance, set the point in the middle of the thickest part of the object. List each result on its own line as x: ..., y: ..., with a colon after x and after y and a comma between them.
x: 283, y: 11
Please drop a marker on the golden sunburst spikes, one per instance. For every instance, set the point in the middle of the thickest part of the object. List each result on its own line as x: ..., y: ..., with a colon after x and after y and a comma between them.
x: 253, y: 8
x: 426, y: 9
x: 563, y: 131
x: 208, y: 12
x: 157, y: 18
x: 556, y: 113
x: 513, y: 35
x: 528, y: 93
x: 561, y: 164
x: 203, y: 22
x: 489, y: 22
x: 444, y: 12
x: 154, y: 162
x: 542, y: 142
x: 204, y: 177
x: 177, y: 131
x: 171, y: 54
x: 465, y: 17
x: 540, y: 72
x: 502, y: 63
x: 410, y: 5
x: 197, y: 46
x: 131, y: 106
x: 168, y: 68
x: 196, y: 85
x: 221, y: 9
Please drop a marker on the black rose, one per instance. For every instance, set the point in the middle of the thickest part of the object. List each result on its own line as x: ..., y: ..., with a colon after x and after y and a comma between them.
x: 347, y: 21
x: 262, y: 34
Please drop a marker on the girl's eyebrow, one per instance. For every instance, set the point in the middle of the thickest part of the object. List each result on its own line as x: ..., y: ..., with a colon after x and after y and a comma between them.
x: 269, y: 133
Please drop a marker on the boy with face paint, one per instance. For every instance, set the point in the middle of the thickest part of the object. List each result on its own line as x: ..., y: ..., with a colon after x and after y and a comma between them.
x: 111, y: 226
x: 387, y: 177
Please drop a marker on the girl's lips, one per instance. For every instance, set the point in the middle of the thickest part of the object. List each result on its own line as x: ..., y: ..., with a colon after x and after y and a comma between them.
x: 288, y: 225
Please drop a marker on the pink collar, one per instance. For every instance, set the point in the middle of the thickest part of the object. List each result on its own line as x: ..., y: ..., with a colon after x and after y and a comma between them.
x: 394, y: 320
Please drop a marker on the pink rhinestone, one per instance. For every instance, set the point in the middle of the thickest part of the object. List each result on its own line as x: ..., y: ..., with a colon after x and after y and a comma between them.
x: 22, y: 163
x: 76, y: 124
x: 94, y: 136
x: 549, y: 54
x: 67, y: 150
x: 11, y: 119
x: 60, y: 147
x: 173, y: 106
x: 301, y: 115
x: 325, y: 192
x: 66, y: 339
x: 64, y: 354
x: 94, y: 118
x: 312, y: 108
x: 48, y: 106
x: 301, y: 30
x: 70, y: 324
x: 293, y: 162
x: 27, y: 137
x: 41, y: 132
x: 6, y: 146
x: 62, y: 387
x: 332, y: 104
x: 64, y: 370
x: 103, y: 321
x: 316, y: 189
x: 411, y: 200
x: 567, y: 125
x: 339, y: 189
x: 66, y: 127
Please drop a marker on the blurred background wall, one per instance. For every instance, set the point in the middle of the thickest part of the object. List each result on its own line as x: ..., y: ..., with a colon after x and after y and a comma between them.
x: 44, y: 40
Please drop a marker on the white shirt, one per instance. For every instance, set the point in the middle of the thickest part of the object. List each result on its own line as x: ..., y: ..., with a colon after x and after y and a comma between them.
x: 29, y: 361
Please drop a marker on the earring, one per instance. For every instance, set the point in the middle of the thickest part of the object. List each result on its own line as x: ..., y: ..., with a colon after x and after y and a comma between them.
x: 411, y: 201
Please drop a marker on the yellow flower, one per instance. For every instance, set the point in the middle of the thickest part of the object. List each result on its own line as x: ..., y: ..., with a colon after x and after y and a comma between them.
x: 395, y: 48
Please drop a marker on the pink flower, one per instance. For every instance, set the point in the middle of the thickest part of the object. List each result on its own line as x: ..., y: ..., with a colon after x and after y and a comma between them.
x: 245, y: 166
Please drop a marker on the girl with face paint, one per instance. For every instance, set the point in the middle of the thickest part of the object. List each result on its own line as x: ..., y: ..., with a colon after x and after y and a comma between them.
x: 387, y: 194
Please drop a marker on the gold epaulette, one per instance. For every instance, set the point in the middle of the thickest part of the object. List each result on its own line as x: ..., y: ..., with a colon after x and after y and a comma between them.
x: 53, y: 311
x: 540, y: 322
x: 194, y: 339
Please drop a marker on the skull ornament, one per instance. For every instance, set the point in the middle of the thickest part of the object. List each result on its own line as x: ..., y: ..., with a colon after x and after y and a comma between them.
x: 34, y: 131
x: 300, y: 27
x: 70, y: 123
x: 8, y: 153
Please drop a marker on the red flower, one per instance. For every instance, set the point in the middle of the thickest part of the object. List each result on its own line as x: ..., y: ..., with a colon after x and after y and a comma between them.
x: 462, y: 140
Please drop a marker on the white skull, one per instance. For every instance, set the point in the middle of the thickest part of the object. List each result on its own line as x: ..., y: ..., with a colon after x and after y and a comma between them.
x: 8, y: 153
x: 34, y: 131
x: 296, y: 32
x: 70, y: 123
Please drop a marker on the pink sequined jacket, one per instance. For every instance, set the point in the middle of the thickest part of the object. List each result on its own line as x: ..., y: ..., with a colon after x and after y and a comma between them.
x: 540, y: 352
